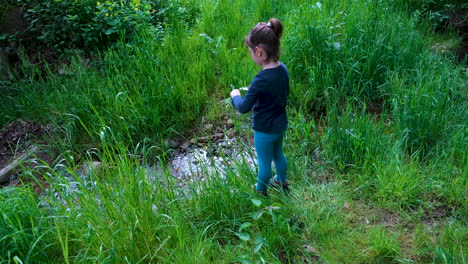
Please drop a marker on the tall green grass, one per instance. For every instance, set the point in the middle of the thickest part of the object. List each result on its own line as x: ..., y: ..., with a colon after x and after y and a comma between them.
x: 24, y: 232
x: 385, y: 186
x: 143, y: 97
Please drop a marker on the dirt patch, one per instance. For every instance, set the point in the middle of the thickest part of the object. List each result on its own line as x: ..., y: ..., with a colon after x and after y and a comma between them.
x: 359, y: 213
x: 12, y: 23
x: 459, y: 21
x: 19, y: 42
x: 12, y: 20
x: 16, y: 138
x: 375, y: 108
x: 450, y: 16
x: 437, y: 213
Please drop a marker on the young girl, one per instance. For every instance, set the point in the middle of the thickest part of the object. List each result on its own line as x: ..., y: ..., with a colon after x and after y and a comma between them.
x: 267, y: 96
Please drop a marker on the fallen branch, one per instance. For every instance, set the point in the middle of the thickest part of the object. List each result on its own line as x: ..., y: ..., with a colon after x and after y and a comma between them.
x: 6, y: 172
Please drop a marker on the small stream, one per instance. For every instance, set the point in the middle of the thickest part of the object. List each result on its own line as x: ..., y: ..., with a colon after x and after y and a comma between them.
x: 200, y: 160
x: 192, y: 162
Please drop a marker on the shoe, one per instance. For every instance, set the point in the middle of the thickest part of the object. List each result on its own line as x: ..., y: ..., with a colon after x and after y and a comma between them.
x: 259, y: 192
x: 276, y: 184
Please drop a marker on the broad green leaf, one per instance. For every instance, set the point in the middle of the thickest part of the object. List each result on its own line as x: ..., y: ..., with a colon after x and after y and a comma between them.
x: 243, y: 236
x: 275, y: 204
x: 109, y: 31
x: 260, y: 239
x: 257, y: 215
x: 256, y: 202
x: 244, y: 261
x: 258, y: 247
x: 244, y: 225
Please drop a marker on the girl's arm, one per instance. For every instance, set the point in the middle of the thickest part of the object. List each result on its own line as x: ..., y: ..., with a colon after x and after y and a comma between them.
x: 244, y: 105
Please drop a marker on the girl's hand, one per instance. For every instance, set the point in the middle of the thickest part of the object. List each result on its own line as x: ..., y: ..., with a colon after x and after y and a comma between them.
x: 234, y: 92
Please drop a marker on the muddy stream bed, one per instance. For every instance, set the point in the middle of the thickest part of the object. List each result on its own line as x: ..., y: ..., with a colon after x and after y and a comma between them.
x: 192, y: 160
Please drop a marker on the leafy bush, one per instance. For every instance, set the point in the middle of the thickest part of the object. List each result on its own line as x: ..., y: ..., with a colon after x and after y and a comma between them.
x: 90, y: 24
x: 437, y: 11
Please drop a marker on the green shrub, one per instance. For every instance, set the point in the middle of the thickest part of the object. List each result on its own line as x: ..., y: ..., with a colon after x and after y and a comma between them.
x: 90, y: 24
x: 438, y: 12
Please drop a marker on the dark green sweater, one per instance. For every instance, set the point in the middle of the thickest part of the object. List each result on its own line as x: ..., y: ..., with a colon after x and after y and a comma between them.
x: 267, y: 97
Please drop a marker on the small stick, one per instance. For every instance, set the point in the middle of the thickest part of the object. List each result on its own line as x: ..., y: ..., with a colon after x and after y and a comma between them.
x: 5, y: 172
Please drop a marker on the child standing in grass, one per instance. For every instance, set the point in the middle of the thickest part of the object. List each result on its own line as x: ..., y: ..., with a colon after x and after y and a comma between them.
x: 267, y: 97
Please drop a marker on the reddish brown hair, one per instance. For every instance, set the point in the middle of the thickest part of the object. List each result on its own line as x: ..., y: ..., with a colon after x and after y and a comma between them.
x: 267, y: 36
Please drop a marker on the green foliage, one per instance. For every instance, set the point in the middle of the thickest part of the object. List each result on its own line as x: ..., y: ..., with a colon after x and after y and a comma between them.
x: 426, y: 106
x: 356, y: 140
x: 302, y: 134
x: 400, y: 186
x: 127, y: 102
x: 438, y: 12
x: 360, y: 179
x: 347, y: 51
x: 382, y: 246
x: 67, y: 24
x: 249, y: 232
x: 24, y: 232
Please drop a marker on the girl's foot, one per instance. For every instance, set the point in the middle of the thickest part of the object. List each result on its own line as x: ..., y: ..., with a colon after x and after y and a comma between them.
x: 259, y: 192
x: 276, y: 184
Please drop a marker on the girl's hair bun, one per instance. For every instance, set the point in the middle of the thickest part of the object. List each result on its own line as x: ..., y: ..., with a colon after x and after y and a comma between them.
x: 276, y: 26
x: 266, y: 35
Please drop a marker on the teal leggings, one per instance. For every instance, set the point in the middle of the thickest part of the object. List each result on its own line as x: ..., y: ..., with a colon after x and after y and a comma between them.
x: 269, y: 148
